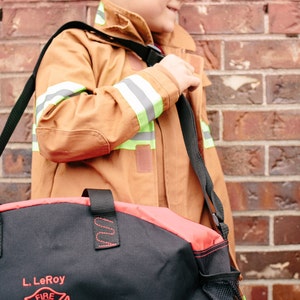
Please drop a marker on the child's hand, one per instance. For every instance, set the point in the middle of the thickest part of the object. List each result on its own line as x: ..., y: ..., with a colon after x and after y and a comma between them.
x: 182, y: 71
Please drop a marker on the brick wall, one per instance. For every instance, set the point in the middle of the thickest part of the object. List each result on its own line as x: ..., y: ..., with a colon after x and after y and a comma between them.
x: 252, y: 51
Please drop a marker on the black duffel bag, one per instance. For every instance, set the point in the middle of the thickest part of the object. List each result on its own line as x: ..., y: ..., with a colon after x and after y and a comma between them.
x: 90, y: 248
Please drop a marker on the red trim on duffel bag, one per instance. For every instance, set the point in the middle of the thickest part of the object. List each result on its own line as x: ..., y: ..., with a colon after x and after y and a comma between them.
x: 199, y: 236
x: 43, y: 201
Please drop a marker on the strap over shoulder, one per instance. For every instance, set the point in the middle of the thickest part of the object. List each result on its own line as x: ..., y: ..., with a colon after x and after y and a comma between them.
x: 149, y: 53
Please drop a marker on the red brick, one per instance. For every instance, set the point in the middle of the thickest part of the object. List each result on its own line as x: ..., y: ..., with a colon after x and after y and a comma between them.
x: 271, y: 125
x: 10, y: 90
x: 286, y: 291
x: 211, y: 52
x: 18, y: 57
x: 214, y: 120
x: 251, y: 230
x: 23, y: 130
x: 262, y: 54
x: 255, y: 292
x: 12, y: 192
x: 284, y: 18
x: 286, y: 230
x: 249, y: 196
x: 29, y: 1
x: 58, y: 1
x: 235, y: 89
x: 17, y: 163
x: 269, y: 265
x: 217, y: 19
x: 92, y: 10
x: 242, y: 160
x: 14, y: 1
x: 284, y: 160
x: 43, y: 20
x: 283, y: 89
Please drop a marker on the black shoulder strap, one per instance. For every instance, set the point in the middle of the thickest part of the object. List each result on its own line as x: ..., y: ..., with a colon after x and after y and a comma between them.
x: 147, y: 53
x: 151, y: 55
x: 188, y: 126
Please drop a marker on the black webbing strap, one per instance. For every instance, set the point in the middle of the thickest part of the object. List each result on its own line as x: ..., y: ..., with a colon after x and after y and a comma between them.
x: 187, y: 122
x: 1, y: 235
x: 151, y: 55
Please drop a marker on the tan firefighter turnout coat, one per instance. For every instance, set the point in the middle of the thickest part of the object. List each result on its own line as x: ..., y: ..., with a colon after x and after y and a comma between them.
x: 103, y: 119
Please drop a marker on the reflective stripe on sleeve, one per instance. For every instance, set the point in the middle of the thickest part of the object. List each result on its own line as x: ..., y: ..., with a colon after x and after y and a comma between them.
x: 207, y: 138
x: 55, y: 94
x: 35, y: 145
x: 142, y: 97
x: 146, y: 136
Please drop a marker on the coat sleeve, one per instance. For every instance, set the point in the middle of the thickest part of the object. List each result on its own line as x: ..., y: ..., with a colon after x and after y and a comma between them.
x: 77, y: 117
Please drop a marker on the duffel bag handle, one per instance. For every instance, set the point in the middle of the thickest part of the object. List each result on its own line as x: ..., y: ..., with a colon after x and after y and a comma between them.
x: 103, y: 216
x: 105, y: 223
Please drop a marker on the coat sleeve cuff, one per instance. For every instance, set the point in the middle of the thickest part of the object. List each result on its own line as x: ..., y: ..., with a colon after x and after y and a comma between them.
x: 164, y: 83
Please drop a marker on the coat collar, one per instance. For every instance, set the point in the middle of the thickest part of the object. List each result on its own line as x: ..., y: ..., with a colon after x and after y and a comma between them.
x: 117, y: 21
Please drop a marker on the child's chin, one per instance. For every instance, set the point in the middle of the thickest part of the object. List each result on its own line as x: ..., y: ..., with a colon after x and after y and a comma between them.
x: 167, y: 29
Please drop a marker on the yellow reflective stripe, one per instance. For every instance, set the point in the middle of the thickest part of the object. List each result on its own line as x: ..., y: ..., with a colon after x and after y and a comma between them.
x: 100, y: 15
x: 35, y: 145
x: 146, y: 136
x: 207, y: 138
x: 55, y: 94
x: 142, y: 97
x: 132, y: 144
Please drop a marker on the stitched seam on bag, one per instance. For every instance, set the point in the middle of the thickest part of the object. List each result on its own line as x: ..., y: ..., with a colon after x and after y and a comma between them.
x: 111, y: 232
x: 200, y: 254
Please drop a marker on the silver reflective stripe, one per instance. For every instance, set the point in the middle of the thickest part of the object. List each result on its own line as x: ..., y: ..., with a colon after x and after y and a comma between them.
x: 55, y: 94
x: 207, y: 138
x: 142, y: 97
x: 35, y: 145
x: 146, y: 136
x: 206, y: 135
x: 100, y: 15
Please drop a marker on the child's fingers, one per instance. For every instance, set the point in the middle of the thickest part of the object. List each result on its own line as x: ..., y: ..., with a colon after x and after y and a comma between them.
x: 182, y: 71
